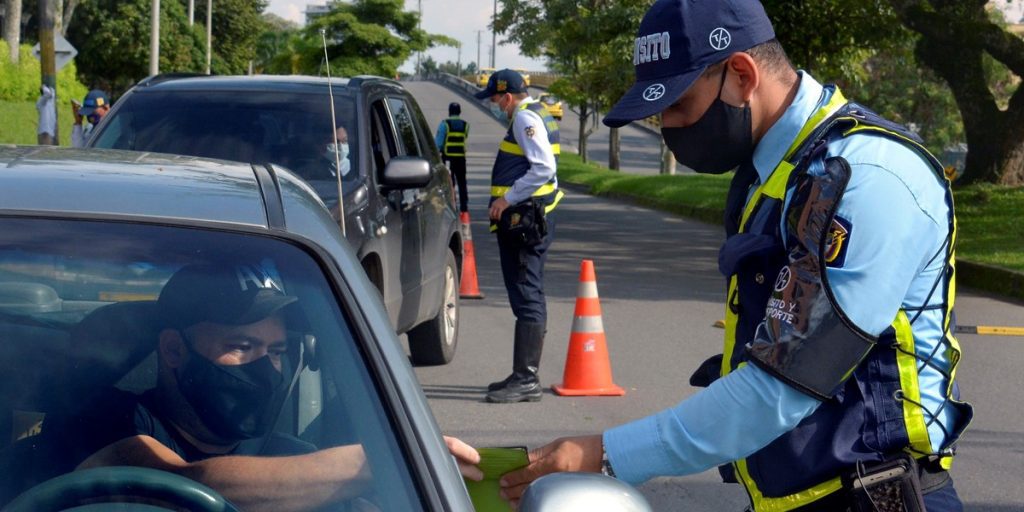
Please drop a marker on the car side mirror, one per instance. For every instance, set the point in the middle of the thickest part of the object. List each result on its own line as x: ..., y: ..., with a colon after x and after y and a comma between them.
x: 579, y: 492
x: 406, y: 172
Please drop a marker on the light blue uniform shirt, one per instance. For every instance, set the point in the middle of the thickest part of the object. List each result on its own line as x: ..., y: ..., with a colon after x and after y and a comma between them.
x: 896, y: 209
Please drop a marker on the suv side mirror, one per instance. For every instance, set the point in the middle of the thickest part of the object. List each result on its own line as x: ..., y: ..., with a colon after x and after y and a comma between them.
x: 406, y: 172
x: 578, y: 492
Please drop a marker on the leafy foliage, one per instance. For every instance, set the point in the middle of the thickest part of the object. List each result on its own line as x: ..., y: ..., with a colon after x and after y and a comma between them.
x: 20, y: 82
x: 237, y: 24
x: 363, y: 37
x: 112, y: 38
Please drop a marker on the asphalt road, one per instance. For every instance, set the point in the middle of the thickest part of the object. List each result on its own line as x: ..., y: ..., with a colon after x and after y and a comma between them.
x: 660, y: 293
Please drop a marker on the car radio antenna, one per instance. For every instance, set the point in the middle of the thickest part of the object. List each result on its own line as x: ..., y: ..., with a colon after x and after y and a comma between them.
x: 334, y: 137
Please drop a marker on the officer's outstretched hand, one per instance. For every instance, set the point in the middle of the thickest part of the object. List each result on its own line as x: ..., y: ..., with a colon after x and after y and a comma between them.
x: 566, y: 454
x: 467, y: 457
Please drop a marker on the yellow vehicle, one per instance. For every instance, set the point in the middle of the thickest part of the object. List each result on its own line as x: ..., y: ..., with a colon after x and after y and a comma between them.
x: 553, y: 104
x: 483, y: 75
x: 525, y: 74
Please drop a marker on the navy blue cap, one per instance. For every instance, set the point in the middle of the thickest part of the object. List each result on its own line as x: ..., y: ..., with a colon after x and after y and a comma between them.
x: 501, y: 82
x: 677, y: 41
x: 95, y: 99
x: 221, y: 293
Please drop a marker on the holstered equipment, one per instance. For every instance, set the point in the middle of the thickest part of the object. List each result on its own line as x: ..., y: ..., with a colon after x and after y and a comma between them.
x: 523, y: 224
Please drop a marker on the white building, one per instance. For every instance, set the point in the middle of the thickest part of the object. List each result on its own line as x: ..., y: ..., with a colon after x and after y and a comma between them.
x: 314, y: 11
x: 1013, y: 10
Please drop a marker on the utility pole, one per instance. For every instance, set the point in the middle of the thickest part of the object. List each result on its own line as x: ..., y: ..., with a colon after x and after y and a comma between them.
x: 478, y: 63
x: 48, y: 61
x: 458, y: 61
x: 494, y: 35
x: 154, y: 38
x: 209, y: 34
x: 191, y: 12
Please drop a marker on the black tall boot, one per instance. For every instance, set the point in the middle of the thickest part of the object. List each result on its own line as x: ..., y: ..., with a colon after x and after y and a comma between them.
x: 523, y: 385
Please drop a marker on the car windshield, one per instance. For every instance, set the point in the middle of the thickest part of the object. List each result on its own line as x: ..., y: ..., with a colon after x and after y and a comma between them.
x: 285, y: 128
x: 91, y: 347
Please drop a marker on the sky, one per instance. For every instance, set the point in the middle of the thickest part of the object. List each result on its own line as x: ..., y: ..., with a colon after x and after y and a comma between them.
x: 458, y: 19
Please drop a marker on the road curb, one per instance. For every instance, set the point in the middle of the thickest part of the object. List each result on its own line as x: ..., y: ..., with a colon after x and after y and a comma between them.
x: 979, y: 276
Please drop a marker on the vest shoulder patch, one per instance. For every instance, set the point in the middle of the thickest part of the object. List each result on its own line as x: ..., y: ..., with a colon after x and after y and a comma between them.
x: 838, y: 241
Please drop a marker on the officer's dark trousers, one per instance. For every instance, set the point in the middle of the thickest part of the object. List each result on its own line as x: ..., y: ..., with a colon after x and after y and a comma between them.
x: 457, y: 164
x: 523, y: 271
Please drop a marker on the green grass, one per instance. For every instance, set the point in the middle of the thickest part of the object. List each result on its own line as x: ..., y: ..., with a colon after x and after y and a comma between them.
x: 991, y: 218
x: 20, y: 119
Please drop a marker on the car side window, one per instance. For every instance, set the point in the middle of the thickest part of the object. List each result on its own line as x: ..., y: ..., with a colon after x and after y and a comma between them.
x: 382, y: 142
x: 403, y: 119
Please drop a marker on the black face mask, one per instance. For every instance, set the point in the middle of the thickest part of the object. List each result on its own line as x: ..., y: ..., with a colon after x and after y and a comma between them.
x: 718, y: 142
x: 235, y: 402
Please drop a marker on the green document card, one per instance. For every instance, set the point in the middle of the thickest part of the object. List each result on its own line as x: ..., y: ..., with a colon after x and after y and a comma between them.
x: 495, y: 462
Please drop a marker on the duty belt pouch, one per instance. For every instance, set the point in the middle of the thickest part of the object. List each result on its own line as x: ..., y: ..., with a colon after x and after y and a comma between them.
x: 523, y: 223
x: 892, y: 485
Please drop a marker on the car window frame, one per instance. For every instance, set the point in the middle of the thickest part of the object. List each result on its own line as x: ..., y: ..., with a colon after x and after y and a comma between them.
x: 424, y: 475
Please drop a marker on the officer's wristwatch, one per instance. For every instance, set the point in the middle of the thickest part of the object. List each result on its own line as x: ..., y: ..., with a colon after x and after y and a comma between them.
x: 606, y: 465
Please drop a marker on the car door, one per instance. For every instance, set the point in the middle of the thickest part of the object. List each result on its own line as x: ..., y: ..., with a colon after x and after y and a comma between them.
x: 401, y: 241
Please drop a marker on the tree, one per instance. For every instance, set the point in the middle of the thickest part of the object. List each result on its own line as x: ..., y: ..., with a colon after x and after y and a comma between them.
x: 588, y: 42
x: 956, y: 36
x: 237, y: 25
x: 365, y: 37
x: 112, y: 37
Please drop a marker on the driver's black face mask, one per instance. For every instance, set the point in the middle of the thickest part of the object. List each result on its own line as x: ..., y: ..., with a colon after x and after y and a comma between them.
x: 235, y: 402
x: 718, y: 142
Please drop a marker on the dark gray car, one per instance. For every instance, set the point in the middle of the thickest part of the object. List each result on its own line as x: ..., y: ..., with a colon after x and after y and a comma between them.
x: 399, y: 210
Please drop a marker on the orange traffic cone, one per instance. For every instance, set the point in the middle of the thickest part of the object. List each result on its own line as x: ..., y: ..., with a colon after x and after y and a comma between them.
x: 587, y: 368
x: 468, y: 288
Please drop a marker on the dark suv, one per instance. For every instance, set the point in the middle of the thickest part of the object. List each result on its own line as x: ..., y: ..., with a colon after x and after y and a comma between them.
x: 398, y: 199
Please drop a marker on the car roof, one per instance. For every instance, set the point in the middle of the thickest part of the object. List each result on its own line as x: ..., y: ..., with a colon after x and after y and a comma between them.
x: 255, y: 83
x: 126, y: 183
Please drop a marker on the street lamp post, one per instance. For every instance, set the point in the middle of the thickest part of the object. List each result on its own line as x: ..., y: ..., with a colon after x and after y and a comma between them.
x: 209, y: 34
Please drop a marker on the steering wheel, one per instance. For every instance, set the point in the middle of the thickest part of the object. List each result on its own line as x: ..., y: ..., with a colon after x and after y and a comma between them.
x: 69, y: 490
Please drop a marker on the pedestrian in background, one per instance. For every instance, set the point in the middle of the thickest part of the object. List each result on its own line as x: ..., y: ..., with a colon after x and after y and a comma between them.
x: 524, y: 186
x: 47, y: 130
x: 93, y: 108
x: 452, y: 137
x: 835, y: 390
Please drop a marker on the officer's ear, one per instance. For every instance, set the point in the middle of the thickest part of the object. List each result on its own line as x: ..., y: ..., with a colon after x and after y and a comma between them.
x: 745, y: 77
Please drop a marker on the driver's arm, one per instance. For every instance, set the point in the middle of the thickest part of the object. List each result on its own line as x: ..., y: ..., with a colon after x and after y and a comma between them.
x: 299, y: 482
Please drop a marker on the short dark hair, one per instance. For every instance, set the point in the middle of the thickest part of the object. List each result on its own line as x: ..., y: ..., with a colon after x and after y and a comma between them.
x: 772, y: 58
x: 769, y: 56
x: 454, y: 108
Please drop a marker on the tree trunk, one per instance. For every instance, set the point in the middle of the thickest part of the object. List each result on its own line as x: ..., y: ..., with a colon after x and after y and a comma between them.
x: 668, y: 160
x: 12, y: 27
x: 955, y: 37
x: 613, y: 149
x: 584, y: 113
x: 69, y: 13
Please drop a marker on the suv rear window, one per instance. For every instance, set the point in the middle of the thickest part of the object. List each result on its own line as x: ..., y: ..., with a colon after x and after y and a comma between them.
x: 288, y: 129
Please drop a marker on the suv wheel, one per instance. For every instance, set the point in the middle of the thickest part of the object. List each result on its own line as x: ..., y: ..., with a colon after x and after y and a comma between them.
x: 433, y: 342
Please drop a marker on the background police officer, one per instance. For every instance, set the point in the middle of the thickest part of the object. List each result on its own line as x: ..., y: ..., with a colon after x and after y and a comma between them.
x: 451, y: 139
x: 838, y: 355
x: 524, y: 170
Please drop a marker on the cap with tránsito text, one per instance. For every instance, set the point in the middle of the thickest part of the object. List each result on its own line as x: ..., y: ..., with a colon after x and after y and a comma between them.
x: 501, y: 82
x: 95, y: 99
x: 227, y: 294
x: 677, y: 41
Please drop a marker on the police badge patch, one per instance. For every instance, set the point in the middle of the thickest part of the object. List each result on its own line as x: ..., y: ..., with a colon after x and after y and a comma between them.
x: 838, y: 240
x: 530, y: 131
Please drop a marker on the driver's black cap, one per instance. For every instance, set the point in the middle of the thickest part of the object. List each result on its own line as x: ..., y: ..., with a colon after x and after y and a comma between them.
x: 236, y: 294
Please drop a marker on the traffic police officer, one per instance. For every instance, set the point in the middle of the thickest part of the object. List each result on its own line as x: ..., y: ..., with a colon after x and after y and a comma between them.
x: 524, y: 172
x: 839, y: 358
x: 452, y: 135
